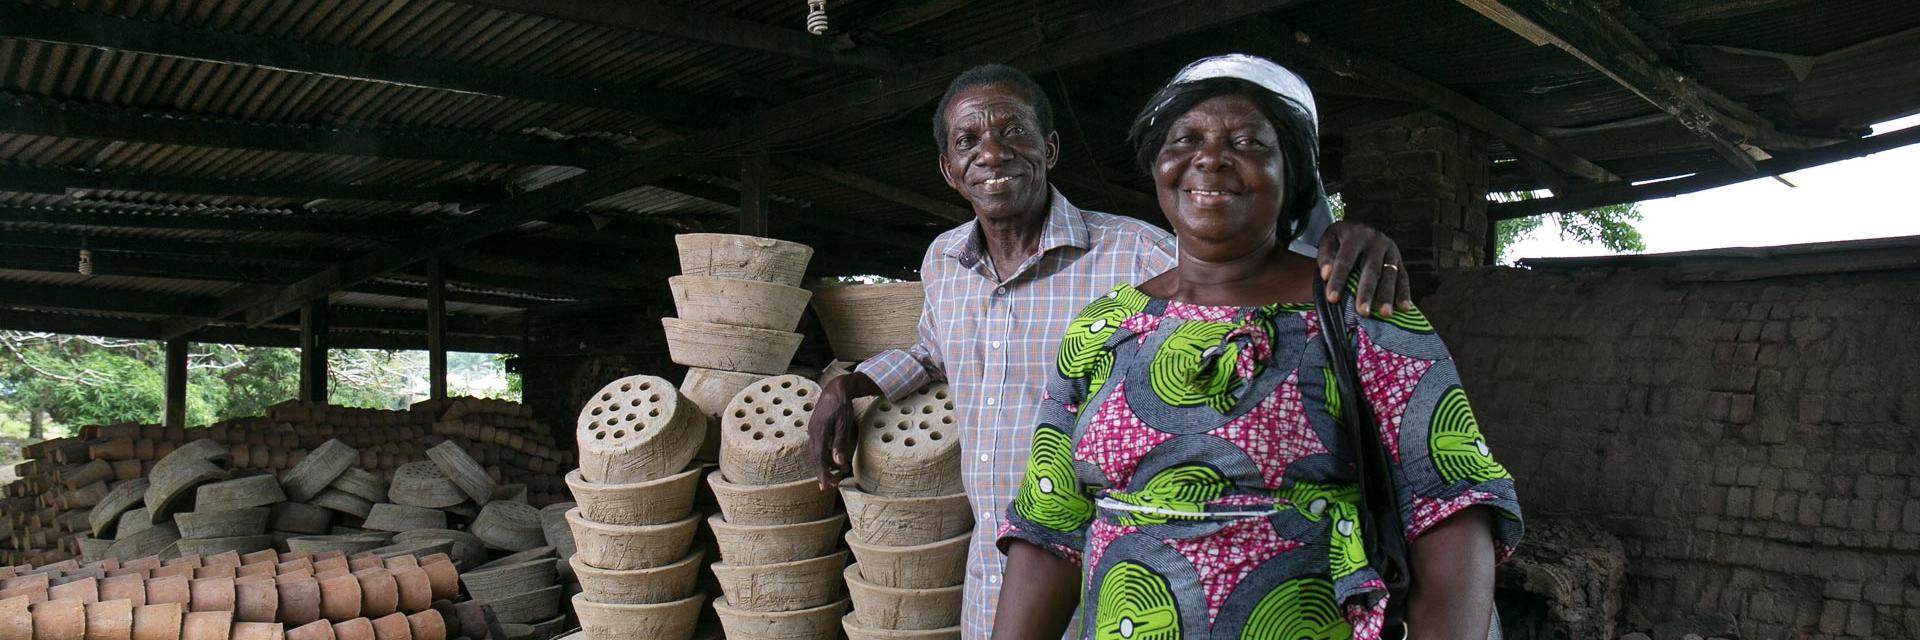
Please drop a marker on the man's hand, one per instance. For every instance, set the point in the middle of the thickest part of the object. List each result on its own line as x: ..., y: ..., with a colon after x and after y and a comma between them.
x: 1347, y: 245
x: 831, y: 428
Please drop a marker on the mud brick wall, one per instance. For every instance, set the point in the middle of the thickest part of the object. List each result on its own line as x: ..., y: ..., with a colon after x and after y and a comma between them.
x: 1422, y: 179
x: 1754, y: 445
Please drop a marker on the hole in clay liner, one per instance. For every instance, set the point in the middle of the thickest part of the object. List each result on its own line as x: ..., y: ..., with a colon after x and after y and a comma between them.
x: 900, y: 425
x: 626, y: 387
x: 655, y: 413
x: 934, y: 436
x: 946, y: 419
x: 759, y: 409
x: 653, y: 398
x: 786, y: 412
x: 886, y: 437
x: 779, y: 434
x: 620, y: 434
x: 745, y: 428
x: 926, y: 410
x: 598, y: 411
x: 766, y: 388
x: 632, y: 417
x: 909, y: 442
x: 606, y: 396
x: 613, y: 407
x: 776, y: 400
x: 924, y: 426
x: 759, y: 436
x: 786, y: 384
x: 807, y: 406
x: 941, y: 394
x: 949, y: 406
x: 802, y: 392
x: 740, y: 413
x: 600, y: 436
x: 645, y: 386
x: 634, y: 402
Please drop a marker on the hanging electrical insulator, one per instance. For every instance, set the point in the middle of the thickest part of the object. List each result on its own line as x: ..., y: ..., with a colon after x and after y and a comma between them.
x: 86, y: 262
x: 817, y: 17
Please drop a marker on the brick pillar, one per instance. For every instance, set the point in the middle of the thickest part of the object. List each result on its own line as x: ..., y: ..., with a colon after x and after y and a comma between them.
x: 1422, y: 179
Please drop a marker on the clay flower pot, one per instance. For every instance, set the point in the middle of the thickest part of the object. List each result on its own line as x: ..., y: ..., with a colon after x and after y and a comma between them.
x: 427, y: 625
x: 763, y: 431
x: 895, y: 521
x: 321, y: 565
x: 858, y: 629
x: 467, y: 548
x: 911, y: 447
x: 442, y: 576
x: 299, y: 601
x: 492, y: 583
x: 295, y: 517
x: 641, y: 503
x: 206, y: 625
x: 886, y: 608
x: 639, y: 586
x: 263, y: 556
x: 355, y: 629
x: 864, y: 319
x: 787, y: 586
x: 321, y: 466
x: 742, y: 256
x: 620, y: 547
x: 738, y: 301
x: 110, y: 620
x: 169, y: 589
x: 239, y: 493
x: 788, y: 503
x: 416, y: 589
x: 711, y: 345
x: 130, y: 587
x: 927, y: 566
x: 221, y: 571
x: 379, y: 594
x: 712, y: 389
x: 211, y: 594
x: 423, y: 484
x: 392, y: 626
x: 315, y: 630
x: 637, y: 429
x: 339, y: 597
x: 465, y: 472
x: 509, y: 526
x: 188, y: 571
x: 83, y: 591
x: 666, y: 621
x: 529, y: 606
x: 256, y: 599
x: 365, y: 561
x: 222, y: 524
x: 16, y: 617
x: 157, y: 621
x: 258, y: 631
x: 250, y: 543
x: 742, y: 545
x: 818, y: 623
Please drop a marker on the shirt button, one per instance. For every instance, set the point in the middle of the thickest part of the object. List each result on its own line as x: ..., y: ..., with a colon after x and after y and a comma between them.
x: 990, y: 402
x: 986, y: 515
x: 993, y: 579
x: 996, y: 344
x: 986, y: 457
x: 1000, y: 291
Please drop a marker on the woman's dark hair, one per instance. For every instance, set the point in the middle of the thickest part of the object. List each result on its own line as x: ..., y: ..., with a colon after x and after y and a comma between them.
x: 1299, y: 144
x: 991, y: 74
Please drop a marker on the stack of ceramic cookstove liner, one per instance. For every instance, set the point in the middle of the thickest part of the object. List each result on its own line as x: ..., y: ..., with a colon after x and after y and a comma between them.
x: 778, y: 531
x: 739, y: 300
x: 257, y: 596
x: 634, y: 524
x: 911, y: 520
x: 865, y: 319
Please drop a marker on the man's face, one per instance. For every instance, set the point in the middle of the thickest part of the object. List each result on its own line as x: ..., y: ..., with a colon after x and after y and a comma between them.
x: 997, y: 157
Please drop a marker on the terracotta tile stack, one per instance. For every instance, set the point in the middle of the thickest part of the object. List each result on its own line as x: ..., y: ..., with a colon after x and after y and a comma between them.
x: 634, y: 525
x: 739, y: 300
x: 911, y: 520
x: 256, y: 596
x: 780, y: 562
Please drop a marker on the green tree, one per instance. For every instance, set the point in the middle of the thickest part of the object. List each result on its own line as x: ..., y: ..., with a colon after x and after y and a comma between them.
x: 1611, y: 226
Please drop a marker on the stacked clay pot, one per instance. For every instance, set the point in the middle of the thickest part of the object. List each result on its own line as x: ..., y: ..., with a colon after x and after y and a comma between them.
x: 865, y: 319
x: 633, y: 527
x: 739, y: 300
x: 256, y: 596
x: 780, y: 564
x: 910, y: 518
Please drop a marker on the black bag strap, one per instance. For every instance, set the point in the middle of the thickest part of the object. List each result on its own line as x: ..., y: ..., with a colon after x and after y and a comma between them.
x: 1381, y: 529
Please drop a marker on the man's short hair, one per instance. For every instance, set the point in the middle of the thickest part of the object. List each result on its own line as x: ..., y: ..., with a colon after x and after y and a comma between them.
x: 991, y: 74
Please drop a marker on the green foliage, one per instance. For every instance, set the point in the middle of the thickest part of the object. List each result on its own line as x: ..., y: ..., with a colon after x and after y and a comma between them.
x: 1610, y: 226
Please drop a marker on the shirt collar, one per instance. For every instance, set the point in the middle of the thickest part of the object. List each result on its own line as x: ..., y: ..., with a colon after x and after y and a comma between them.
x: 1066, y: 226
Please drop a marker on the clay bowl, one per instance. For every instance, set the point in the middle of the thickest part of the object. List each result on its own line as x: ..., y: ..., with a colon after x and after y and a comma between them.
x: 496, y: 583
x: 788, y: 503
x: 711, y: 345
x: 465, y: 472
x: 742, y: 256
x: 887, y: 608
x: 299, y: 600
x: 639, y: 586
x: 620, y: 547
x: 858, y: 629
x: 466, y: 547
x: 398, y: 517
x: 864, y: 319
x: 712, y: 389
x: 423, y: 484
x: 157, y: 621
x: 239, y: 493
x: 529, y: 606
x: 314, y: 630
x: 416, y: 588
x: 787, y: 586
x: 926, y: 566
x: 818, y: 623
x: 763, y: 431
x: 206, y: 625
x: 738, y: 301
x: 910, y: 447
x: 895, y: 521
x: 441, y: 576
x: 354, y: 629
x: 641, y: 503
x: 665, y: 621
x: 110, y: 619
x: 637, y: 429
x: 509, y: 526
x: 320, y: 468
x: 743, y: 545
x: 339, y: 597
x: 131, y: 587
x: 258, y: 631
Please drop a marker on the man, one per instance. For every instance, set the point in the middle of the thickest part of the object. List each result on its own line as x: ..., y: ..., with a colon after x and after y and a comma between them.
x: 1001, y: 289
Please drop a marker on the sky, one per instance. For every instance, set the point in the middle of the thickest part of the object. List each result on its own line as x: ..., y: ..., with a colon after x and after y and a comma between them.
x: 1877, y: 196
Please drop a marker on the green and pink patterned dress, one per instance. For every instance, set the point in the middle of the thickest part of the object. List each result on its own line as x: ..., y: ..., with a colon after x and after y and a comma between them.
x: 1190, y: 460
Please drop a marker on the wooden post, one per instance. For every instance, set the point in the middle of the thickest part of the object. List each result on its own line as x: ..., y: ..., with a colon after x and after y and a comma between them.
x: 436, y: 330
x: 753, y: 195
x: 176, y: 403
x: 313, y: 352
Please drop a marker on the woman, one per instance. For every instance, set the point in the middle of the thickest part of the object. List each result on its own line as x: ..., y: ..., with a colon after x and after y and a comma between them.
x: 1187, y: 457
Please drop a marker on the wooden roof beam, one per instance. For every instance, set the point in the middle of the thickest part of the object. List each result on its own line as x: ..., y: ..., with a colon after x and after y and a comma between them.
x: 1587, y: 32
x: 212, y: 220
x: 706, y: 28
x: 898, y: 195
x: 101, y: 122
x: 56, y: 180
x: 209, y: 250
x: 156, y: 38
x: 1078, y: 39
x: 1287, y: 43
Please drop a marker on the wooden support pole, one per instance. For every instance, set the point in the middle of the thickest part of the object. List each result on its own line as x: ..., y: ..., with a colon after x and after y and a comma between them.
x: 753, y: 195
x: 436, y: 330
x: 313, y: 351
x: 176, y: 404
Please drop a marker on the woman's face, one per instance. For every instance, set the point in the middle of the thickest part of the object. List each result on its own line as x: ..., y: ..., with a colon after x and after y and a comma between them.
x: 1220, y: 179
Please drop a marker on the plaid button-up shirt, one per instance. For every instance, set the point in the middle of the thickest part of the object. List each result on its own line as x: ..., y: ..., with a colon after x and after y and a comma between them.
x: 992, y: 336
